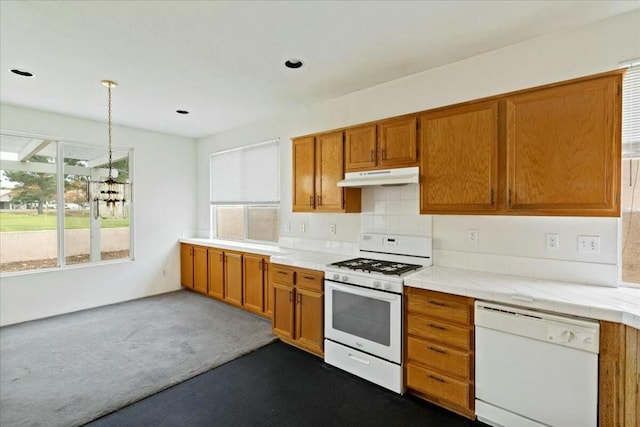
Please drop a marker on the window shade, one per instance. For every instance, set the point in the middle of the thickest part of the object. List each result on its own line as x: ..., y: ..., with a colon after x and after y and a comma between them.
x: 246, y: 175
x: 631, y: 113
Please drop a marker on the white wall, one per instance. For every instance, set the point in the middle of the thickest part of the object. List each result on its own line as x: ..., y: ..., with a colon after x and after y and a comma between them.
x: 507, y: 244
x: 164, y: 199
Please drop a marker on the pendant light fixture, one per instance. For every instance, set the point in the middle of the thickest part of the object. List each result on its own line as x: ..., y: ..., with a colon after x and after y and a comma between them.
x: 110, y: 196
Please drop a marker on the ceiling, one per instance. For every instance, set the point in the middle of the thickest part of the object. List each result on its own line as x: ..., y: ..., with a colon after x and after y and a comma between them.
x: 223, y: 60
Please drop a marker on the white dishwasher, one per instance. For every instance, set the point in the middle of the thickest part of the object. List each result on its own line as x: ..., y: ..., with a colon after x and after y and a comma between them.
x: 535, y: 369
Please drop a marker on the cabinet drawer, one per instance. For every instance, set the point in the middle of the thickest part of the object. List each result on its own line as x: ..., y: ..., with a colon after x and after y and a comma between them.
x: 281, y: 275
x: 438, y: 386
x: 446, y: 359
x: 309, y: 281
x: 452, y: 308
x: 445, y: 333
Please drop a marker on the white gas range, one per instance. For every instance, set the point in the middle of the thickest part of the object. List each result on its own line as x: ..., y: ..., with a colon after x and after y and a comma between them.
x: 363, y: 306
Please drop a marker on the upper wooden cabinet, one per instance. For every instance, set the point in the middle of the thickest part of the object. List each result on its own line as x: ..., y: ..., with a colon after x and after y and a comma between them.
x: 360, y: 148
x: 397, y: 143
x: 459, y: 159
x: 388, y: 144
x: 318, y: 165
x: 553, y: 150
x: 563, y: 149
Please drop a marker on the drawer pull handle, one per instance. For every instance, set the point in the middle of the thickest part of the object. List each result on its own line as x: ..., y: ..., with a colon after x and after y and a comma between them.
x: 309, y: 277
x: 441, y: 328
x: 282, y: 272
x: 437, y: 350
x: 440, y: 380
x: 439, y: 304
x: 358, y: 359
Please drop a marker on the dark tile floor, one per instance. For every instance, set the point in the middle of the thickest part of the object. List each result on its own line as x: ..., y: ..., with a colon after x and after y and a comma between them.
x: 279, y: 385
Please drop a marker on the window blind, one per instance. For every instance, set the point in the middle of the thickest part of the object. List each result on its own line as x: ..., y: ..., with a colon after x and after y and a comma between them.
x: 248, y: 175
x: 631, y: 113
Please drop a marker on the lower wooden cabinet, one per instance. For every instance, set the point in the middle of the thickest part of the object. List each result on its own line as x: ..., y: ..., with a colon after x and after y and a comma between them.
x: 194, y: 266
x: 439, y: 364
x: 237, y: 278
x: 298, y: 307
x: 233, y: 278
x: 619, y: 388
x: 255, y: 272
x: 216, y: 273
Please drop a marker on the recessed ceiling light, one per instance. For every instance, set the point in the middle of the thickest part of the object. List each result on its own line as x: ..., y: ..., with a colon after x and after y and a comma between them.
x: 182, y: 112
x: 293, y: 63
x: 22, y: 73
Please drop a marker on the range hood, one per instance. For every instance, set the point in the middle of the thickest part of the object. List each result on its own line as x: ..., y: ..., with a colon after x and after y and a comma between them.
x: 399, y: 176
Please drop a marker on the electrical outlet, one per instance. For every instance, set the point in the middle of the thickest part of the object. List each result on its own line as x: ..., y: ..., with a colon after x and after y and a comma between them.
x: 553, y: 242
x: 332, y: 228
x: 472, y: 236
x: 589, y: 244
x: 303, y: 227
x: 287, y: 226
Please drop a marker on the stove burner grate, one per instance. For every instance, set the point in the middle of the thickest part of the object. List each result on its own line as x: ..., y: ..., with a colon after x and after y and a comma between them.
x: 378, y: 266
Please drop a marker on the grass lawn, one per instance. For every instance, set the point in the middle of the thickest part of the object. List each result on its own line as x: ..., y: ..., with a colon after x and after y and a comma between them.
x: 31, y: 221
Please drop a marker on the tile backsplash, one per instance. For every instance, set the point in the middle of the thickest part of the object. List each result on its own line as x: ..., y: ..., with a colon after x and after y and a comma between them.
x: 514, y: 245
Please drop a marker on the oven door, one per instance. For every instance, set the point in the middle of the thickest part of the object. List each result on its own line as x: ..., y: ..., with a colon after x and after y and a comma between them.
x: 364, y: 319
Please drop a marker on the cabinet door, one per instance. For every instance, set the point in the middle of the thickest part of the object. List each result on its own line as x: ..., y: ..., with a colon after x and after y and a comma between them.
x: 216, y: 273
x: 563, y: 149
x: 253, y: 285
x: 268, y: 290
x: 309, y: 319
x: 360, y: 148
x: 186, y: 265
x: 233, y: 278
x: 329, y: 170
x: 398, y: 144
x: 303, y: 174
x: 200, y: 273
x: 459, y: 159
x: 283, y: 306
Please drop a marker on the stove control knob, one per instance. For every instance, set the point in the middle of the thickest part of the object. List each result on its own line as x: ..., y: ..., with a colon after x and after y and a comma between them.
x: 345, y: 278
x: 387, y: 286
x: 377, y: 284
x: 336, y: 276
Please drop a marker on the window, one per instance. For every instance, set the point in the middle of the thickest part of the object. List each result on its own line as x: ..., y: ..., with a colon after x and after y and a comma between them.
x: 245, y: 193
x: 45, y: 216
x: 630, y: 167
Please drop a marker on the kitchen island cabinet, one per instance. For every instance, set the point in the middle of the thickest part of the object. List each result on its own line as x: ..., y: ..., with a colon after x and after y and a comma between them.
x: 298, y: 311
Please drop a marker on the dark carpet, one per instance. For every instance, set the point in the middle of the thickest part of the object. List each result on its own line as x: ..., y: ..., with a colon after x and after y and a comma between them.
x: 279, y: 385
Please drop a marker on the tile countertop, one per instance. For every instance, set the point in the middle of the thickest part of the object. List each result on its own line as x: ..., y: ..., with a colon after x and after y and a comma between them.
x: 620, y: 305
x: 285, y: 256
x: 238, y: 246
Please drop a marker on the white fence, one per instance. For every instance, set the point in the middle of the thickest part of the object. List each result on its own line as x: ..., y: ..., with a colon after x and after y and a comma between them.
x: 35, y: 245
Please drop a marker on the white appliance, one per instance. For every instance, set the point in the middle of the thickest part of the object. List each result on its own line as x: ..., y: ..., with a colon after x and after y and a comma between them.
x: 398, y: 176
x: 363, y: 307
x: 535, y: 369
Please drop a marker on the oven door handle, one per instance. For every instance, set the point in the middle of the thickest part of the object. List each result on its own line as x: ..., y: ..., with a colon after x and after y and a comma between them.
x: 380, y: 295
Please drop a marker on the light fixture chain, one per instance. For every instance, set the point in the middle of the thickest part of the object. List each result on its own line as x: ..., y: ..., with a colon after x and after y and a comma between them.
x: 110, y: 147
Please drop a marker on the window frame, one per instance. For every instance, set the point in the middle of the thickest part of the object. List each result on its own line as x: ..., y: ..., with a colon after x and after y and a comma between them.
x: 635, y: 65
x: 61, y: 254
